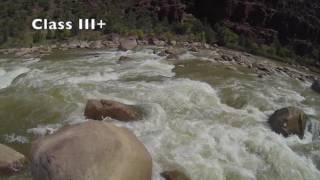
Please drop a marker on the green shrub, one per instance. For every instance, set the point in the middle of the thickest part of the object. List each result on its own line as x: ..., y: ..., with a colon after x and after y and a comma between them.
x: 225, y: 36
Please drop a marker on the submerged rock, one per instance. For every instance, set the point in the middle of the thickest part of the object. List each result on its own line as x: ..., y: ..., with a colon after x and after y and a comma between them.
x: 91, y: 151
x: 174, y: 175
x: 100, y: 109
x: 316, y: 86
x: 288, y: 121
x: 11, y: 161
x: 128, y: 43
x: 124, y: 59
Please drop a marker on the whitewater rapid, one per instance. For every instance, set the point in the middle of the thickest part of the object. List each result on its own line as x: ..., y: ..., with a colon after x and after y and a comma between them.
x: 201, y: 118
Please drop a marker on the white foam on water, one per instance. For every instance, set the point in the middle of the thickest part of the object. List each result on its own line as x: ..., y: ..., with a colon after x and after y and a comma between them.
x: 2, y: 72
x: 149, y: 68
x: 42, y: 130
x: 30, y: 61
x: 13, y: 138
x: 96, y: 77
x: 188, y: 127
x: 7, y: 77
x: 185, y: 123
x: 187, y: 56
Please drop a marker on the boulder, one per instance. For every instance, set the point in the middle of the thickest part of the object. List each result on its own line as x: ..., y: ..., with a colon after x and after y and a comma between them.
x: 128, y: 43
x: 263, y: 67
x: 72, y: 44
x: 124, y: 59
x: 90, y: 151
x: 194, y: 49
x: 316, y: 86
x: 206, y: 46
x: 11, y: 161
x: 288, y: 121
x: 226, y: 58
x: 111, y: 44
x: 157, y: 42
x: 100, y: 109
x: 173, y: 42
x: 84, y: 44
x: 113, y: 37
x: 175, y: 51
x: 174, y: 175
x: 96, y: 45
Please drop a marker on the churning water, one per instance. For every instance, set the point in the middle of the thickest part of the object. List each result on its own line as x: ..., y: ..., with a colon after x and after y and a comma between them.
x: 200, y: 117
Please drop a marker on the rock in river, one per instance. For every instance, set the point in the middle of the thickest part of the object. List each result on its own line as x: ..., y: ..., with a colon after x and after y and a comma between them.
x: 100, y: 109
x: 124, y: 59
x: 128, y: 43
x: 91, y: 151
x: 174, y: 175
x: 289, y: 121
x: 11, y: 161
x: 316, y: 86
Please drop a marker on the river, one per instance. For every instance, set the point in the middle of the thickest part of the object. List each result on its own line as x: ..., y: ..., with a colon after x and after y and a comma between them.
x: 201, y: 117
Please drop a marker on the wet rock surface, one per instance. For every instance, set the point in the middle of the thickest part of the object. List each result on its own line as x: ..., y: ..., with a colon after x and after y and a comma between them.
x: 174, y: 175
x: 128, y: 43
x: 100, y: 109
x: 288, y: 121
x: 91, y: 151
x: 11, y: 161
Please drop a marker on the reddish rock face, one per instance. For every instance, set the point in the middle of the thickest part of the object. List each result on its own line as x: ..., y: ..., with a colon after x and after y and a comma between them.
x: 100, y: 109
x: 290, y: 20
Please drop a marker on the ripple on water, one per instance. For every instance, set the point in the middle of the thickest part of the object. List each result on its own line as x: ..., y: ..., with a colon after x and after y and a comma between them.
x: 7, y: 77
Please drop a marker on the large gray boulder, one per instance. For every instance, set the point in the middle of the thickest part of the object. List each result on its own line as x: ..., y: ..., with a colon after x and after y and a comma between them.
x: 100, y: 109
x: 92, y: 150
x: 128, y: 43
x: 288, y: 121
x: 11, y: 161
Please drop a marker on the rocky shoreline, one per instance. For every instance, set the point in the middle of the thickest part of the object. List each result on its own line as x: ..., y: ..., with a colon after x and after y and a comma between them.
x: 172, y: 50
x: 113, y: 41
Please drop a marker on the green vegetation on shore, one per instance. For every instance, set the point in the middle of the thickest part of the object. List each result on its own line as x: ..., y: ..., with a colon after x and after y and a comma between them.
x: 122, y: 18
